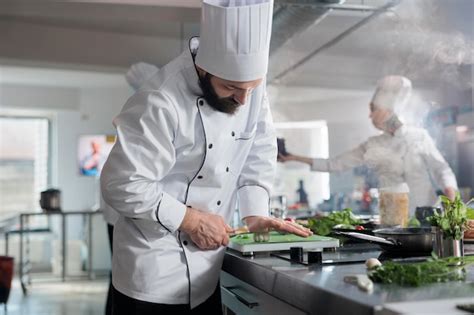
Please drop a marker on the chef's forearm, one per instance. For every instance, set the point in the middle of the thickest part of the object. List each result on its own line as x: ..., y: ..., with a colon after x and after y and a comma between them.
x: 303, y: 159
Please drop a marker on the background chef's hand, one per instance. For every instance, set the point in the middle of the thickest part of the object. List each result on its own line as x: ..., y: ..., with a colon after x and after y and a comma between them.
x: 206, y: 230
x: 450, y: 192
x: 292, y: 157
x: 263, y: 224
x: 284, y: 158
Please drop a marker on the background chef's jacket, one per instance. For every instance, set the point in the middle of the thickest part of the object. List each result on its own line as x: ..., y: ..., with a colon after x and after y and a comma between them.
x: 409, y: 156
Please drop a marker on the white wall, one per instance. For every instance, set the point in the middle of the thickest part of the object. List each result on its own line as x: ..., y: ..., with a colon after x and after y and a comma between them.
x: 74, y: 111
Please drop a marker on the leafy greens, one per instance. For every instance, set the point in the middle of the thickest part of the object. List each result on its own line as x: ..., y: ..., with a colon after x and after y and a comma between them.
x: 453, y: 220
x: 416, y: 274
x: 324, y: 225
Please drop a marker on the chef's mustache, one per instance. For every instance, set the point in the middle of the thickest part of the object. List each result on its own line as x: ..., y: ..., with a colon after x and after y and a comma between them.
x: 222, y: 104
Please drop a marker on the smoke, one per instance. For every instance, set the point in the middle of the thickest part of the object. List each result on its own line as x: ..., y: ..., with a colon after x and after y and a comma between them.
x: 430, y: 39
x: 415, y: 111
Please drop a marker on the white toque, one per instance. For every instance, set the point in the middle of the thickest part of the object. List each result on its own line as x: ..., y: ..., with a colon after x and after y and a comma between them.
x: 235, y: 38
x: 392, y: 91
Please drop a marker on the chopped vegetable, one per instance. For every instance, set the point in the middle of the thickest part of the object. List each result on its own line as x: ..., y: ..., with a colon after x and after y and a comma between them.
x: 323, y: 226
x: 453, y: 220
x: 372, y: 263
x: 416, y: 274
x: 362, y: 281
x: 359, y: 228
x: 260, y: 237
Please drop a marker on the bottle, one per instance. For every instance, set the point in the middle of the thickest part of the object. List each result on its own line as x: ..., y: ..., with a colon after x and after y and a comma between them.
x: 302, y: 196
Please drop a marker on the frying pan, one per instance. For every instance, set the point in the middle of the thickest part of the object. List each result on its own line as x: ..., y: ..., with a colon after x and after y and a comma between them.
x: 412, y: 240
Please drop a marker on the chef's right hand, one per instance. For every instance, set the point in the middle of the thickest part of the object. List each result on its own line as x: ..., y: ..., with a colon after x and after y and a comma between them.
x: 206, y: 230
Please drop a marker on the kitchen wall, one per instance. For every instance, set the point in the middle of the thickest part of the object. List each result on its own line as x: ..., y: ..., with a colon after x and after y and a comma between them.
x: 73, y: 112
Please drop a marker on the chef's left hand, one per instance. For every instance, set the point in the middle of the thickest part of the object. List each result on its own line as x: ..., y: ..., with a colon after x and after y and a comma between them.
x: 264, y: 224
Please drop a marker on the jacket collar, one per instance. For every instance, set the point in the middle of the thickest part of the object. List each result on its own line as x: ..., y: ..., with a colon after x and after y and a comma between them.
x: 190, y: 71
x: 400, y: 131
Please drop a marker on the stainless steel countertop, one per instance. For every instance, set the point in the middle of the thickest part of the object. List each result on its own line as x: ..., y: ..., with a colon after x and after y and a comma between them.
x: 322, y: 290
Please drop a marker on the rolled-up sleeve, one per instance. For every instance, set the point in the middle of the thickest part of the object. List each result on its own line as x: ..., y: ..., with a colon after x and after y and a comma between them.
x: 256, y: 178
x: 142, y: 156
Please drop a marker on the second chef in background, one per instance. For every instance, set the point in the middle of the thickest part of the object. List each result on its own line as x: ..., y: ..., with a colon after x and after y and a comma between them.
x: 401, y: 156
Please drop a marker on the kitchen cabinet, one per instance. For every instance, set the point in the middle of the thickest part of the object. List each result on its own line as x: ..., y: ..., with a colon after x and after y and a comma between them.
x: 239, y: 297
x: 283, y: 287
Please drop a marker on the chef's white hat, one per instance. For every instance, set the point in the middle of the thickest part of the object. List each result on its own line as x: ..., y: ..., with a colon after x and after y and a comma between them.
x: 391, y: 92
x: 139, y: 73
x: 235, y: 38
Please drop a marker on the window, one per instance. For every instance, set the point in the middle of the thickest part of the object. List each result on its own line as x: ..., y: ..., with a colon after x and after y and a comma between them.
x: 307, y: 138
x: 24, y: 153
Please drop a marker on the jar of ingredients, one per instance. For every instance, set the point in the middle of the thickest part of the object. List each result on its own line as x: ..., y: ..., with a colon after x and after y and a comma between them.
x: 394, y: 205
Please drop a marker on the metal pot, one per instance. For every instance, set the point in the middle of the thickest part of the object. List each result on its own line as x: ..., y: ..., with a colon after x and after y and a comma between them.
x: 51, y: 200
x: 446, y: 246
x: 414, y: 240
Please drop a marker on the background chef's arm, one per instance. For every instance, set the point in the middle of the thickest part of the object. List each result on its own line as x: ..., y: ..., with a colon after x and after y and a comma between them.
x: 142, y: 156
x: 342, y: 162
x: 256, y: 179
x: 441, y: 173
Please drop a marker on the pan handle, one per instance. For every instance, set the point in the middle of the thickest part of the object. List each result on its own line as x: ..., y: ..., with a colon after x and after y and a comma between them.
x: 370, y: 238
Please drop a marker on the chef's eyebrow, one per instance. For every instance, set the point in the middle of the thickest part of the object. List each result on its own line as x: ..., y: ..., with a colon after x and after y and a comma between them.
x: 237, y: 88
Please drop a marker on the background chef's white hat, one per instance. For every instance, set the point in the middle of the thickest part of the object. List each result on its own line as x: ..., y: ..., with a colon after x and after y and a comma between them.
x: 235, y: 38
x: 392, y: 91
x: 139, y: 73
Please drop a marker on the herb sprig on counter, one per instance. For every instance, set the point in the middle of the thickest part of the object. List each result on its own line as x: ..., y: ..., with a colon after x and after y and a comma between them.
x: 324, y: 225
x: 416, y: 274
x: 452, y: 221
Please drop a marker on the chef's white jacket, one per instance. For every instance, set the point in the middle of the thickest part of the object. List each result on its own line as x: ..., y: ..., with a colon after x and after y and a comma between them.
x: 409, y: 156
x: 173, y: 150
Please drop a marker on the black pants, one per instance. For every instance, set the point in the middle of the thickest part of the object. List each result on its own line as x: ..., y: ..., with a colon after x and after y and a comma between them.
x: 125, y: 305
x: 108, y: 304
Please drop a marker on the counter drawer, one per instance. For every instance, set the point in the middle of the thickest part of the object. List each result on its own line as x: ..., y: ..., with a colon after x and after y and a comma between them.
x: 242, y: 298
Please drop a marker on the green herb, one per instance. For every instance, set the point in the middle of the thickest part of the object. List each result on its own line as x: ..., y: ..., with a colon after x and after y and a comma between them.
x: 323, y: 226
x: 453, y: 220
x: 414, y: 222
x: 416, y: 274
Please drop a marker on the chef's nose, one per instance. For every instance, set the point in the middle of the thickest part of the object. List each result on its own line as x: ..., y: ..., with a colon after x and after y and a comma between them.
x: 241, y: 96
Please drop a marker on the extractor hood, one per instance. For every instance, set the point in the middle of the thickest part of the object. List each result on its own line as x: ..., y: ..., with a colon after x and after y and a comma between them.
x: 292, y: 17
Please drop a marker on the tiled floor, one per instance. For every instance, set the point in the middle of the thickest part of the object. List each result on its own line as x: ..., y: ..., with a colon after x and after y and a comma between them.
x: 58, y: 298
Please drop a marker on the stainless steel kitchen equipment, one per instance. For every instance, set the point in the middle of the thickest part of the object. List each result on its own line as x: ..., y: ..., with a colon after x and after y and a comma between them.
x: 446, y: 247
x: 416, y: 240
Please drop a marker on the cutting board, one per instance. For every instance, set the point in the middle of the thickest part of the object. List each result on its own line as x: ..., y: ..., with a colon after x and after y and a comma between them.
x: 246, y: 244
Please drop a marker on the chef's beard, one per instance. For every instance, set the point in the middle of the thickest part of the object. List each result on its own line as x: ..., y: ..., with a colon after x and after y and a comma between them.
x: 222, y: 104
